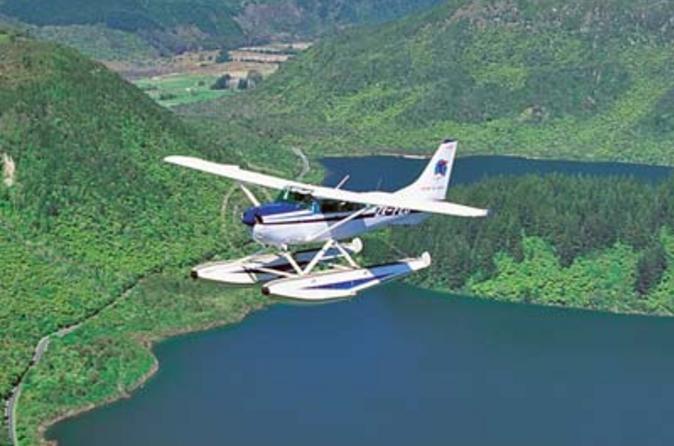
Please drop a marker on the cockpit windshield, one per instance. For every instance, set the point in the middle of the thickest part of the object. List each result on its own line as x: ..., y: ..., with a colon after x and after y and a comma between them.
x: 295, y: 196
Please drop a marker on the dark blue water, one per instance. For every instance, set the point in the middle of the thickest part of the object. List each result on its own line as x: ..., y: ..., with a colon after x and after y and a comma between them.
x: 401, y: 366
x: 388, y: 173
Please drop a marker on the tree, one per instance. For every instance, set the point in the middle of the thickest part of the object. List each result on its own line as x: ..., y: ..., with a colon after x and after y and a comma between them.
x: 223, y: 56
x: 254, y: 78
x: 166, y: 96
x: 222, y: 83
x: 243, y: 84
x: 650, y: 268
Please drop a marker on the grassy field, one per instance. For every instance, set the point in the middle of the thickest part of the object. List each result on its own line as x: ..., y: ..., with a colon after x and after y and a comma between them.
x: 187, y: 78
x: 181, y: 89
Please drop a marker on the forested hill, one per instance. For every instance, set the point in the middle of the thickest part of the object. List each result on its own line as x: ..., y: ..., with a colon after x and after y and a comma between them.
x: 86, y: 205
x: 586, y: 242
x: 558, y: 78
x: 165, y: 25
x: 175, y: 25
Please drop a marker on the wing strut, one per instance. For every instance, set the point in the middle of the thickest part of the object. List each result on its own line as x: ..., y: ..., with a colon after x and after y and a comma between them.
x: 249, y: 194
x: 343, y: 182
x: 318, y: 257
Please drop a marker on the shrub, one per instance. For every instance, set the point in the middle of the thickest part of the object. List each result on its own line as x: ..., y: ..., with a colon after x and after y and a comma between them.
x: 167, y: 96
x: 650, y: 268
x: 223, y: 56
x: 254, y: 78
x: 222, y: 83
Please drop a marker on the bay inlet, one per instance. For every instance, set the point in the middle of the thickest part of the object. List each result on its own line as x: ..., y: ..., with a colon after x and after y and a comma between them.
x: 402, y: 365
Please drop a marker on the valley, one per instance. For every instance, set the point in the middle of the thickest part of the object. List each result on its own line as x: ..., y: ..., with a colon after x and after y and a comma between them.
x: 94, y: 229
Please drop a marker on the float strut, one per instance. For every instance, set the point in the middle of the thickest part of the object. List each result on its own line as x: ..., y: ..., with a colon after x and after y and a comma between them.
x: 292, y: 262
x: 347, y: 256
x: 318, y: 257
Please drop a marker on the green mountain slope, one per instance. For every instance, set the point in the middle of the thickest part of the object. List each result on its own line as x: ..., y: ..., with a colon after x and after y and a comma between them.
x: 561, y: 79
x: 87, y: 208
x: 86, y: 205
x: 175, y: 25
x: 585, y: 242
x: 310, y: 18
x: 165, y: 25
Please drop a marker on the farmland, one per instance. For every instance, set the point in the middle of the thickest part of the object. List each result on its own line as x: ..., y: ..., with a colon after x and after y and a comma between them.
x: 189, y: 78
x: 179, y: 89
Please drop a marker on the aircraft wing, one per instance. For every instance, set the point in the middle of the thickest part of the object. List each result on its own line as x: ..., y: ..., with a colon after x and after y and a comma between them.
x: 234, y: 172
x: 381, y: 199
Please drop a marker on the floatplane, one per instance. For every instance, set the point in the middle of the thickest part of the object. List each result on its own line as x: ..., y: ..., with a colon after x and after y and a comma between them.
x: 305, y: 214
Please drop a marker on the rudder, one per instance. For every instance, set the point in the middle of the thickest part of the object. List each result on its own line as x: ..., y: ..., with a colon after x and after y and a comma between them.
x: 433, y: 182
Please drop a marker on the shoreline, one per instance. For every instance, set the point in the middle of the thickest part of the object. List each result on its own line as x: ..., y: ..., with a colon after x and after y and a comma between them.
x: 553, y: 305
x: 416, y: 155
x: 149, y: 344
x: 237, y: 318
x: 41, y: 348
x: 43, y: 427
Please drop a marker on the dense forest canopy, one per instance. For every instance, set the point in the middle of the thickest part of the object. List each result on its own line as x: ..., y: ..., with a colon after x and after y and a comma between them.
x: 86, y: 205
x: 575, y: 216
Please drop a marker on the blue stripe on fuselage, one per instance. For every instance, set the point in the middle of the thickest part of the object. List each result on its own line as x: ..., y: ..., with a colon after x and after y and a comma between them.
x: 277, y: 208
x: 255, y: 214
x: 351, y: 283
x: 326, y: 218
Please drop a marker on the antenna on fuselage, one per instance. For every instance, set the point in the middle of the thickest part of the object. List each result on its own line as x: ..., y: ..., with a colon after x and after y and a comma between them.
x: 343, y: 182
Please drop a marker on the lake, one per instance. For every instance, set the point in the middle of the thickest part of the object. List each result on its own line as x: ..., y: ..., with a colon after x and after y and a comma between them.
x: 401, y: 365
x: 389, y: 173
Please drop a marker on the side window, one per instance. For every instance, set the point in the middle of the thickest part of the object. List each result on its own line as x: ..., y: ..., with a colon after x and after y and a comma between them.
x: 352, y: 206
x: 328, y: 206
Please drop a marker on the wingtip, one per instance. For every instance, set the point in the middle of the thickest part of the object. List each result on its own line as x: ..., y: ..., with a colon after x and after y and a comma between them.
x: 173, y: 159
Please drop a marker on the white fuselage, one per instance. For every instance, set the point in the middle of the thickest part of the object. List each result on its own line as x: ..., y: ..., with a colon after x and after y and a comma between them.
x: 304, y: 226
x: 297, y: 217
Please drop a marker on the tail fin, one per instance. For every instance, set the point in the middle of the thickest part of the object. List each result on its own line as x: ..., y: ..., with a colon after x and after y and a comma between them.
x: 433, y: 182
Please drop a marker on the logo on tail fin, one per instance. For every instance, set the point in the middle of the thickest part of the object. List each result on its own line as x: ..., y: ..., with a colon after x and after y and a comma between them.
x: 441, y: 168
